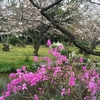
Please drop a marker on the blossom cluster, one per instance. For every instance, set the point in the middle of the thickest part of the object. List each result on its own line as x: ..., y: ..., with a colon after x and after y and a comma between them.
x: 58, y: 45
x: 58, y: 77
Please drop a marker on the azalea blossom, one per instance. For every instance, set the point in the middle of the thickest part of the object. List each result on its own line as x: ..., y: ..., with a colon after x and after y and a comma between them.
x: 48, y: 42
x: 36, y: 97
x: 72, y: 81
x: 63, y: 91
x: 81, y: 60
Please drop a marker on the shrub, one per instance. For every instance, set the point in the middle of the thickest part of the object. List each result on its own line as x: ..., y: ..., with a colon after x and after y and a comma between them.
x: 27, y: 56
x: 64, y: 52
x: 58, y: 79
x: 80, y: 51
x: 8, y: 67
x: 16, y: 41
x: 84, y: 42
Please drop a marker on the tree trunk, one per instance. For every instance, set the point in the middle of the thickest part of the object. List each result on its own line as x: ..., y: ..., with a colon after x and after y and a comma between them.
x: 5, y: 47
x: 36, y: 52
x: 36, y: 48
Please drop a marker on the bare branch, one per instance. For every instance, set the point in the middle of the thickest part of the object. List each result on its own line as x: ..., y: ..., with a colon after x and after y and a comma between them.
x: 51, y: 5
x: 35, y: 4
x: 94, y: 2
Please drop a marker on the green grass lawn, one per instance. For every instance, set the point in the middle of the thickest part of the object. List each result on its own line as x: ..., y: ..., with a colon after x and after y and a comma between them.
x: 15, y: 58
x: 19, y: 53
x: 92, y: 57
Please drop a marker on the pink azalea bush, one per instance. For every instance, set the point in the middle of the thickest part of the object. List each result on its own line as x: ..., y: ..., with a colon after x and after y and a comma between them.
x: 58, y: 79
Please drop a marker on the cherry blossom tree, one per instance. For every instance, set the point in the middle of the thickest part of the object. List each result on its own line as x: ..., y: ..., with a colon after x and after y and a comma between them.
x: 21, y: 16
x: 74, y: 13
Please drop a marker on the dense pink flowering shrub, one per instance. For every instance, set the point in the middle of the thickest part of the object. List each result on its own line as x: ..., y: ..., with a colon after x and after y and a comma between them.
x: 59, y: 78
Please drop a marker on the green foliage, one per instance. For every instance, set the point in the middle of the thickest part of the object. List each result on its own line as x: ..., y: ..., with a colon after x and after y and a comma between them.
x: 84, y: 42
x: 59, y: 12
x: 6, y: 67
x: 65, y: 43
x: 59, y: 37
x: 80, y: 51
x: 16, y: 41
x: 64, y: 52
x: 33, y: 67
x: 42, y: 27
x: 57, y: 97
x: 27, y: 55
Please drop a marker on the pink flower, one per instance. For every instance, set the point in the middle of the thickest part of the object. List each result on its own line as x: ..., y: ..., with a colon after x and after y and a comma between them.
x: 82, y: 79
x: 50, y: 51
x: 94, y: 98
x: 7, y: 94
x: 86, y: 75
x: 61, y: 47
x: 69, y: 67
x: 86, y: 98
x: 18, y: 71
x: 23, y: 68
x: 81, y: 60
x: 84, y: 68
x: 63, y: 91
x: 48, y: 42
x: 68, y: 91
x: 12, y: 75
x: 36, y: 97
x: 42, y: 69
x: 39, y: 89
x: 45, y: 77
x: 55, y: 74
x: 14, y: 82
x: 92, y: 86
x: 2, y: 98
x: 72, y: 81
x: 19, y: 88
x: 14, y: 89
x: 99, y: 81
x: 35, y: 59
x: 56, y: 54
x: 58, y: 69
x: 24, y: 86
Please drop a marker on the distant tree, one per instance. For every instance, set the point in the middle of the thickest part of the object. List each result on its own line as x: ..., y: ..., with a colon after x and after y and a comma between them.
x: 20, y: 16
